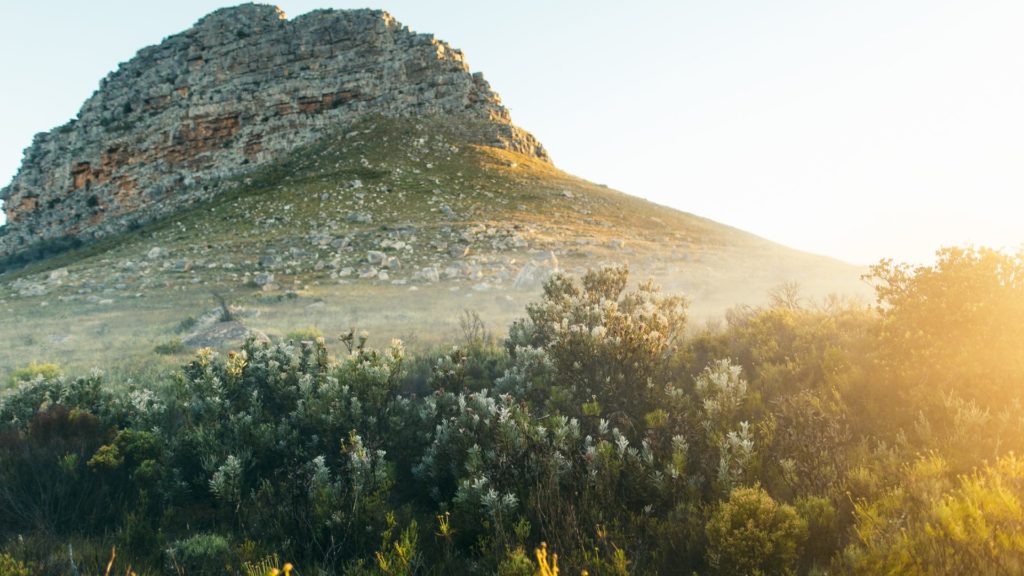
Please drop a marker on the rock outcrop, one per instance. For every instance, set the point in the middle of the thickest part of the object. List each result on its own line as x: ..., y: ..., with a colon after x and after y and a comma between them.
x: 241, y: 88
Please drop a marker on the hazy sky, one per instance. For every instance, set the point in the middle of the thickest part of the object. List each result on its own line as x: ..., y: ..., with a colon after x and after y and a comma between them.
x: 860, y: 129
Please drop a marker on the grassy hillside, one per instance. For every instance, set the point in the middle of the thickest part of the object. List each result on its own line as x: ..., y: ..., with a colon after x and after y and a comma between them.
x: 393, y: 226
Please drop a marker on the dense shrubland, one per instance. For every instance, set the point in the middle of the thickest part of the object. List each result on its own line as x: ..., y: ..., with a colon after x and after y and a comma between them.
x: 789, y: 439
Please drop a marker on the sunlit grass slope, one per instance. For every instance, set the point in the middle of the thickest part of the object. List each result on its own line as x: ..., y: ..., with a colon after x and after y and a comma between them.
x: 394, y: 226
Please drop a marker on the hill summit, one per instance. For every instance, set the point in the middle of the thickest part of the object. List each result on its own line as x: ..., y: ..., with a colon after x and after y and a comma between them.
x: 240, y: 89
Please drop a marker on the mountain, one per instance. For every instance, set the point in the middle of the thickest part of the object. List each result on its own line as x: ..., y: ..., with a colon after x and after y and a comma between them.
x: 240, y: 89
x: 335, y: 170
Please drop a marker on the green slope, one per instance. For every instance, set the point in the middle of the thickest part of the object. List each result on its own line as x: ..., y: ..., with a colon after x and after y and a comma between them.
x: 298, y: 245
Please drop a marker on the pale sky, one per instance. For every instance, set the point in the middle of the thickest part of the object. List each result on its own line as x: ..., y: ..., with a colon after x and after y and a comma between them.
x: 859, y: 129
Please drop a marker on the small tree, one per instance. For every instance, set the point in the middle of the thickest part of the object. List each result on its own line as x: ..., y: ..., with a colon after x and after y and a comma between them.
x: 955, y: 325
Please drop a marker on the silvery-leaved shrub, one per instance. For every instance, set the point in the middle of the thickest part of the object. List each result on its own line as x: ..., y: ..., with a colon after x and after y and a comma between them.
x: 603, y: 341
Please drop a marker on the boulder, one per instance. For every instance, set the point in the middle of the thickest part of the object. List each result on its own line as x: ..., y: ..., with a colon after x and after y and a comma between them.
x: 458, y: 250
x: 261, y: 280
x: 220, y: 333
x: 428, y: 274
x: 376, y: 257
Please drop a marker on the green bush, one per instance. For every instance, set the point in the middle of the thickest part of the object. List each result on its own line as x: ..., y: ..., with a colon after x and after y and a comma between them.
x: 172, y: 346
x: 201, y: 554
x: 750, y: 533
x: 186, y: 324
x: 933, y: 524
x: 11, y: 567
x: 516, y: 563
x: 307, y: 334
x: 34, y: 370
x: 602, y: 341
x: 823, y: 531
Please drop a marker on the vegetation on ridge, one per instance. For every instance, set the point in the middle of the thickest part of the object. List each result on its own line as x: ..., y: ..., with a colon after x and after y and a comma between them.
x: 790, y: 440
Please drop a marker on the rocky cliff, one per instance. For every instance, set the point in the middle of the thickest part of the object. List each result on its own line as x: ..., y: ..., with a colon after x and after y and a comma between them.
x: 240, y: 89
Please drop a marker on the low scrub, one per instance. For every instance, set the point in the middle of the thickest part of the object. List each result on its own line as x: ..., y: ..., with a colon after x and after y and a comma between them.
x: 601, y: 436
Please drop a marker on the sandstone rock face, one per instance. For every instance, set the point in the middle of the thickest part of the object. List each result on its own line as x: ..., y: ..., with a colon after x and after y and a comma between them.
x: 241, y: 88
